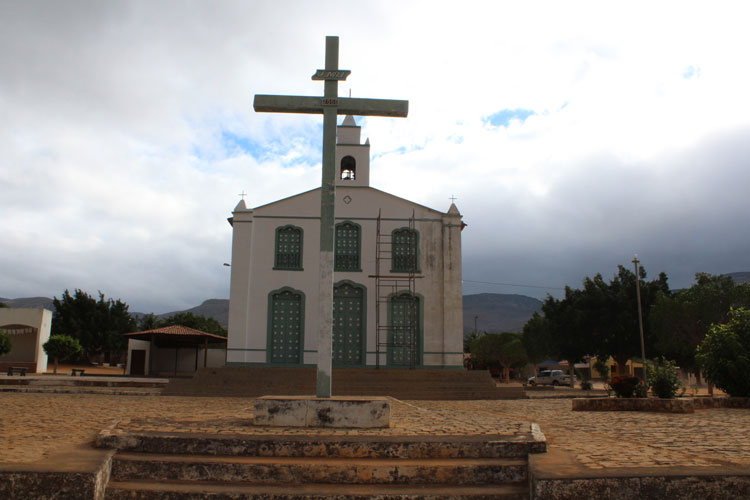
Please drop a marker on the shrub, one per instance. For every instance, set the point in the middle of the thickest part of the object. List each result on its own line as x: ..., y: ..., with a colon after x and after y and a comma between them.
x: 5, y: 345
x: 724, y: 354
x: 624, y: 386
x: 663, y: 378
x: 61, y: 347
x: 586, y: 385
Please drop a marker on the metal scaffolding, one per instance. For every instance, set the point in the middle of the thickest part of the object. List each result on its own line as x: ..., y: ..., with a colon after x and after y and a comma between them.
x: 396, y: 303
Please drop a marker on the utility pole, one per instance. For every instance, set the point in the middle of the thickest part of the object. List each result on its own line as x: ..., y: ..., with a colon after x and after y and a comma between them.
x: 640, y: 319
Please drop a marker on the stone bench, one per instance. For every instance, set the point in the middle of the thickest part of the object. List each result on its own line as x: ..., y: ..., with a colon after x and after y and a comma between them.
x: 20, y: 370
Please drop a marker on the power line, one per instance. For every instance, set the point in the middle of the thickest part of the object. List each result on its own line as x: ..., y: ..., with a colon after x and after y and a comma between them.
x: 515, y: 284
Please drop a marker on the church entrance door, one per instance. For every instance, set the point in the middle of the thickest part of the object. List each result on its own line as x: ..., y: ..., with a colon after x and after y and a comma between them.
x: 403, y: 334
x: 348, y: 325
x: 286, y: 317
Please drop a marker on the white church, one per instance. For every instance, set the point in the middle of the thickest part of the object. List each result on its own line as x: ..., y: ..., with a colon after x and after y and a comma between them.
x: 397, y: 276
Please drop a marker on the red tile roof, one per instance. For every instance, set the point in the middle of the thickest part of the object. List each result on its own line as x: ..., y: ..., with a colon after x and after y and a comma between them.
x: 177, y: 330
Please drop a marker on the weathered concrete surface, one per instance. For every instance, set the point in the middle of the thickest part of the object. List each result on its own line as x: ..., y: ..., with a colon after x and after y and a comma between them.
x: 405, y: 447
x: 77, y: 474
x: 303, y: 470
x: 309, y: 411
x: 557, y: 476
x: 156, y: 490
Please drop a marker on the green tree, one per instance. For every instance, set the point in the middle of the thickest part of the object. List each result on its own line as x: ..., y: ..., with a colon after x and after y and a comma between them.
x: 195, y: 321
x: 3, y: 304
x: 724, y: 354
x: 5, y: 344
x: 148, y: 322
x: 505, y: 348
x: 61, y: 347
x: 682, y: 320
x: 98, y: 325
x: 537, y: 340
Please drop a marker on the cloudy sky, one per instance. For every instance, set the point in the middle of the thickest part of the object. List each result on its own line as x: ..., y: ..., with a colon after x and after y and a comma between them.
x: 573, y: 134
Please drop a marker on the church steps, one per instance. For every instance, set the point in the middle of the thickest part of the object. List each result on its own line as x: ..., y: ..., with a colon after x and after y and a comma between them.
x: 161, y: 490
x: 350, y: 447
x: 424, y: 384
x: 301, y: 470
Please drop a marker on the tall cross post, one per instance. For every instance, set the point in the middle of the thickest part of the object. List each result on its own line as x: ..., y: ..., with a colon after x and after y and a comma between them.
x: 330, y: 106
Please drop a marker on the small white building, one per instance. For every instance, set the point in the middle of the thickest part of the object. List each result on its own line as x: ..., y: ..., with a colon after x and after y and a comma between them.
x: 397, y: 273
x: 28, y: 329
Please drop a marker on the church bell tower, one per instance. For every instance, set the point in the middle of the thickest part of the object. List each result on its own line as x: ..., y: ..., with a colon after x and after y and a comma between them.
x: 352, y: 158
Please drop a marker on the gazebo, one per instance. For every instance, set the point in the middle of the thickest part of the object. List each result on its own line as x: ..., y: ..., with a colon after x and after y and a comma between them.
x: 152, y: 352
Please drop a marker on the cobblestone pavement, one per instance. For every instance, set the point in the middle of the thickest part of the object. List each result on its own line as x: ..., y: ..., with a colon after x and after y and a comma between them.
x: 32, y: 426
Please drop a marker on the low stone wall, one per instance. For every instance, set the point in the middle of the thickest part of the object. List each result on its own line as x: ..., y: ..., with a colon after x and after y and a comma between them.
x: 652, y: 487
x: 676, y: 405
x: 80, y: 475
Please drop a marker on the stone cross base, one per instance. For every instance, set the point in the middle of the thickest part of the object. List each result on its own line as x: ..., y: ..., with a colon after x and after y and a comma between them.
x: 311, y: 411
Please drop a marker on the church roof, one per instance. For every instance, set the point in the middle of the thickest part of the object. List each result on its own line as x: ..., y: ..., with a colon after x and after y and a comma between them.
x: 175, y: 332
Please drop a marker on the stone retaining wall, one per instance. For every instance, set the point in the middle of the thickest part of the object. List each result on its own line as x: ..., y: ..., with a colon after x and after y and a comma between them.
x: 676, y: 405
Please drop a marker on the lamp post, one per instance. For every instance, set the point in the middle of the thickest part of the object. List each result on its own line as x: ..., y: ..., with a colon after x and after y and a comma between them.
x: 640, y: 319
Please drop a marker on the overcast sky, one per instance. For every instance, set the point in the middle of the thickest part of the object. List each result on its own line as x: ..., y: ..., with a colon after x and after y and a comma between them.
x: 573, y: 134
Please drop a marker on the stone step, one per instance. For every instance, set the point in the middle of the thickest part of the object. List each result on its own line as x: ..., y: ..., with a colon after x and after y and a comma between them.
x: 302, y: 470
x: 111, y: 391
x: 162, y: 490
x: 329, y: 446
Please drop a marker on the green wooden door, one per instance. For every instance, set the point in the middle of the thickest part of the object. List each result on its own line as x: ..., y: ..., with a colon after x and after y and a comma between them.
x: 403, y: 334
x: 348, y: 325
x: 286, y: 328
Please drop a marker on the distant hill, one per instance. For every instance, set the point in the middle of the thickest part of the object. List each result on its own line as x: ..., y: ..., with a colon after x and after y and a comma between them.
x: 739, y: 277
x: 217, y: 309
x: 32, y: 302
x: 498, y: 312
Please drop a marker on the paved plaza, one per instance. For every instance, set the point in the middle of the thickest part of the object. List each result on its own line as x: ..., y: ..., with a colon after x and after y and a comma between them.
x: 35, y: 426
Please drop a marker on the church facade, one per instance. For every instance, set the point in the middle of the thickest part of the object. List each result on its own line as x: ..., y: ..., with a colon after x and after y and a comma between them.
x: 397, y: 276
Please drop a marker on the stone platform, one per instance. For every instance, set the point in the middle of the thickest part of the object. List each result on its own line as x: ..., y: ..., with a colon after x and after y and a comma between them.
x: 311, y: 411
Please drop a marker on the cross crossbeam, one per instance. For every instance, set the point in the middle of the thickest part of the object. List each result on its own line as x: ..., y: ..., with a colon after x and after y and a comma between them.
x: 344, y: 106
x: 330, y: 105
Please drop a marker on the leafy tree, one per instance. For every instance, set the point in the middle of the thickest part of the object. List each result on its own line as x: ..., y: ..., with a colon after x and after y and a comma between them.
x: 148, y: 322
x: 61, y: 347
x: 505, y: 348
x: 537, y: 340
x: 97, y: 324
x: 3, y: 304
x: 681, y: 321
x: 195, y: 321
x: 724, y: 354
x: 5, y: 344
x: 600, y: 319
x: 468, y: 339
x: 663, y: 378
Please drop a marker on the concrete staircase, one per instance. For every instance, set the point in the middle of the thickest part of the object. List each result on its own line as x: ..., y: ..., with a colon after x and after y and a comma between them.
x: 84, y: 385
x: 284, y: 467
x: 419, y: 384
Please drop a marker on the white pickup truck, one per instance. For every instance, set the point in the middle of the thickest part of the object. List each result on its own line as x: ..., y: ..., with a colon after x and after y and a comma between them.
x: 551, y: 377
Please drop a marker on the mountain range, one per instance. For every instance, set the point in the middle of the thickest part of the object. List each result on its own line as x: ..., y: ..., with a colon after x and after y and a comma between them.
x: 487, y: 312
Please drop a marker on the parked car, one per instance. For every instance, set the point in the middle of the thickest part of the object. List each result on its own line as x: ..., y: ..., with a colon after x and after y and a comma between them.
x: 551, y: 377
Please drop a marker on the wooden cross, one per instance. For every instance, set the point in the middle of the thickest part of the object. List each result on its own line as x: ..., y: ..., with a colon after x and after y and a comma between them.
x: 453, y: 199
x: 330, y: 105
x: 242, y: 195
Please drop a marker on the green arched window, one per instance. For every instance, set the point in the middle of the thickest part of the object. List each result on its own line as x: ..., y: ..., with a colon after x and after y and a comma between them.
x: 346, y: 252
x: 404, y: 249
x: 288, y: 248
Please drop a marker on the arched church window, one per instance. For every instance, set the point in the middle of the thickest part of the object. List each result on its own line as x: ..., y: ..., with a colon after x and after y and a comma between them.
x: 348, y: 168
x: 288, y: 248
x: 404, y: 250
x: 346, y: 251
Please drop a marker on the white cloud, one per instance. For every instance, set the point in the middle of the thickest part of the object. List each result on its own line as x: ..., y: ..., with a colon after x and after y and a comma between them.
x: 116, y: 172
